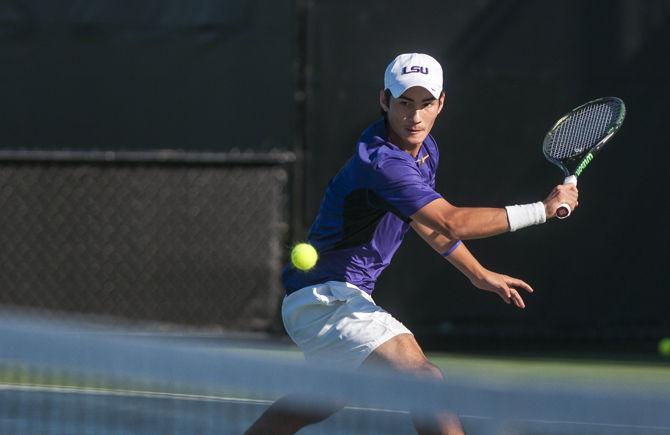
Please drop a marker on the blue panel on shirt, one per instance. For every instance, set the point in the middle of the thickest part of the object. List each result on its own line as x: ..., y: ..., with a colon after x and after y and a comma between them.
x: 366, y: 211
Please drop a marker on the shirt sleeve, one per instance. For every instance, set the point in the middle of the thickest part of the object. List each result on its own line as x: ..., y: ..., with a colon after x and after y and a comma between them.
x: 399, y: 184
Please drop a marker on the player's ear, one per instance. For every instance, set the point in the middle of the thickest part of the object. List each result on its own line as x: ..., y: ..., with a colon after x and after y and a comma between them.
x: 440, y: 102
x: 384, y: 100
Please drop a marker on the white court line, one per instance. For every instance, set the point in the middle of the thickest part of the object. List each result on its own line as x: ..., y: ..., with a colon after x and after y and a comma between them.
x: 265, y: 402
x: 158, y: 394
x: 584, y: 423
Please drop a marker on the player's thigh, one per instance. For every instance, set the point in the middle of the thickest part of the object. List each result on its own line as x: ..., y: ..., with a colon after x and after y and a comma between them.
x: 402, y: 353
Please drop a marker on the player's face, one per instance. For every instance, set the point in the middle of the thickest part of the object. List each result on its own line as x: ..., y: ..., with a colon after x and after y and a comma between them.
x: 411, y: 116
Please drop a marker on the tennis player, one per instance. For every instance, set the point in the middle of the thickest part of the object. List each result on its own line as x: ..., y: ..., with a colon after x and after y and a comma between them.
x: 383, y: 190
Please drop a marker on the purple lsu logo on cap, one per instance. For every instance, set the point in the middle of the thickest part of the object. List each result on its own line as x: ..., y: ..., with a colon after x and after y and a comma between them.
x: 415, y: 69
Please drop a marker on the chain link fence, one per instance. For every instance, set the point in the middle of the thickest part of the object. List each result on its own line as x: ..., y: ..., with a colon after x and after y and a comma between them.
x: 190, y: 243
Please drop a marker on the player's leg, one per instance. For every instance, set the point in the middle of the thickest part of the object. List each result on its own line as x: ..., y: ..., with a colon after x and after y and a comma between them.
x: 403, y: 354
x: 301, y: 313
x: 287, y: 416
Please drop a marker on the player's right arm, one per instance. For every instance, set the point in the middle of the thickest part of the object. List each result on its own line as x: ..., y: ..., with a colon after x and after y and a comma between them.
x: 465, y: 223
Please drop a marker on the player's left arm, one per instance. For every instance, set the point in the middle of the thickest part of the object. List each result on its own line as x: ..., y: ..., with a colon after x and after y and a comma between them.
x: 507, y: 287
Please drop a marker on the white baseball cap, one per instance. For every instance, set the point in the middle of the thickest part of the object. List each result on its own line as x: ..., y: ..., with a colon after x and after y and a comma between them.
x: 413, y: 69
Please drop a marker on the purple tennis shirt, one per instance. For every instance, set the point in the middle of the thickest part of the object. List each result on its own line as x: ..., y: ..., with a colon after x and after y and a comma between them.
x: 366, y: 211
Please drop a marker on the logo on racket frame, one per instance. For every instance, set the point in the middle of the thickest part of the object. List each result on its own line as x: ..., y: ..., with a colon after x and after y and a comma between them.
x: 584, y: 164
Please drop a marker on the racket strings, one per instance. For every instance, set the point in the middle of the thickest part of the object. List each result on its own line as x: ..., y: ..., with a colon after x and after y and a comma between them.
x: 582, y: 130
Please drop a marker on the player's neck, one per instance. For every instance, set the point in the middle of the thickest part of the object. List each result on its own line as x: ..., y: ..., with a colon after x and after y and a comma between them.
x: 409, y: 148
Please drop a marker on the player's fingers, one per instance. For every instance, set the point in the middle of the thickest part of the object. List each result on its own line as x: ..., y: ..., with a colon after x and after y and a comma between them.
x: 567, y: 197
x: 516, y: 282
x: 518, y: 300
x: 567, y: 192
x: 506, y: 293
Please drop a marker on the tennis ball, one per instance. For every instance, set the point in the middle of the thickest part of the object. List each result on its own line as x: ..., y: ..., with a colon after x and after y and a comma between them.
x: 664, y: 347
x: 304, y: 256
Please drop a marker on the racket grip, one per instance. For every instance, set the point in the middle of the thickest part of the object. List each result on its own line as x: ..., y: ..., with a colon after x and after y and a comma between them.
x: 564, y: 209
x: 571, y: 179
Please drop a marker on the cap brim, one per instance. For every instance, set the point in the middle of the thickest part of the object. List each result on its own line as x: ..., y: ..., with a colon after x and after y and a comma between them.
x: 399, y: 88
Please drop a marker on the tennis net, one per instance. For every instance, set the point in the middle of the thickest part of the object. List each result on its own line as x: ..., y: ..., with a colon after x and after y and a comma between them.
x: 72, y: 377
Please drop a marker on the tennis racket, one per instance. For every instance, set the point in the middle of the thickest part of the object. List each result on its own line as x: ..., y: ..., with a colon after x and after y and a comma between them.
x: 576, y: 138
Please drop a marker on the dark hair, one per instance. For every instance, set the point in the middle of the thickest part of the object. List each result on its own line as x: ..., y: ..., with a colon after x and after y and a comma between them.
x: 387, y: 98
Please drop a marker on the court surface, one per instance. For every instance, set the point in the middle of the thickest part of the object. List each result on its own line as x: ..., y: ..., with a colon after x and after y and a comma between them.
x: 67, y: 408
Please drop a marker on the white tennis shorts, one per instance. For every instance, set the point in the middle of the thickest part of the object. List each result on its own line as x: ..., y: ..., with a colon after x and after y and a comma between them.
x: 337, y: 324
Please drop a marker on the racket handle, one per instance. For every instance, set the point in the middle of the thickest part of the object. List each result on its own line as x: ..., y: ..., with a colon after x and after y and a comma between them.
x: 571, y: 179
x: 564, y: 209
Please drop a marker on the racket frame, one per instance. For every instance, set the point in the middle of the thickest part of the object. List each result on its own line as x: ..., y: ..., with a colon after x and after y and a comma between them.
x: 580, y: 161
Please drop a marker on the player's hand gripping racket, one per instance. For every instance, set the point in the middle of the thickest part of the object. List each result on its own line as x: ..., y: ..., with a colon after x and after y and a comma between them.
x: 576, y: 138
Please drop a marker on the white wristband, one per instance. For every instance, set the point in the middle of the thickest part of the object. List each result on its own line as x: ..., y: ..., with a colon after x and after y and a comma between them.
x: 521, y: 216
